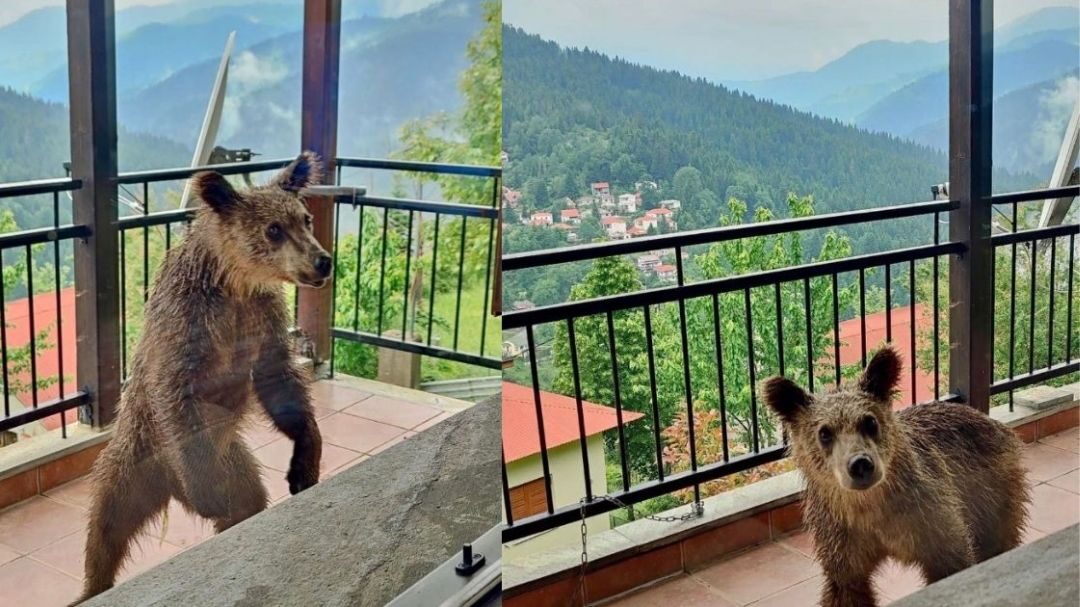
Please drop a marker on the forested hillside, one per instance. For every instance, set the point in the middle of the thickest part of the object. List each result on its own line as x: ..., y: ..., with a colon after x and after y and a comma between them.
x: 577, y: 116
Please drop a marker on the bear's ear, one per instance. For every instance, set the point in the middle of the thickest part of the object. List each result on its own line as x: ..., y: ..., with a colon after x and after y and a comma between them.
x: 785, y: 398
x: 882, y: 374
x: 215, y: 191
x: 304, y: 171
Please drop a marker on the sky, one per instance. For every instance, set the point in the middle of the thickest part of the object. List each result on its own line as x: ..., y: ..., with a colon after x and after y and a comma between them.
x: 740, y: 39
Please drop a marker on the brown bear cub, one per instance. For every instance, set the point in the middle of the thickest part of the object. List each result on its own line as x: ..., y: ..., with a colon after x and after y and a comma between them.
x: 215, y: 339
x: 939, y: 486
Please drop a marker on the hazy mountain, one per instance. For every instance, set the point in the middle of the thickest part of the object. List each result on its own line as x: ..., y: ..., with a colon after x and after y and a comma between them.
x: 1029, y: 124
x: 848, y: 86
x: 845, y: 87
x: 392, y: 70
x: 926, y: 100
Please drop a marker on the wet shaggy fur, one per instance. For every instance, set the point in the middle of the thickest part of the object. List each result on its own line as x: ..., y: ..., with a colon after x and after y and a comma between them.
x: 947, y: 486
x: 214, y: 342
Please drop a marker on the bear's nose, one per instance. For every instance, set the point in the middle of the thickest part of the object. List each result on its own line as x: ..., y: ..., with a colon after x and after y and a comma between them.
x: 323, y: 265
x: 861, y: 468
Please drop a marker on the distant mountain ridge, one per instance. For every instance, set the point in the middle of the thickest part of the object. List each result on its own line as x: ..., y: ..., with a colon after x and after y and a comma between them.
x: 849, y: 86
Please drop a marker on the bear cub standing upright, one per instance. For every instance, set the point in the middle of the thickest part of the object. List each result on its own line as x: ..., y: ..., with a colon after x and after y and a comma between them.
x: 939, y: 486
x: 214, y: 342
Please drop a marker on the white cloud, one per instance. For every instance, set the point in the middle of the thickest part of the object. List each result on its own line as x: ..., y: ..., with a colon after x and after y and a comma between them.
x: 1055, y: 108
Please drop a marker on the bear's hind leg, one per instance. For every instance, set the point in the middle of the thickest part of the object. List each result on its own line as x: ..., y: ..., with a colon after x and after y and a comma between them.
x: 127, y: 495
x: 246, y: 494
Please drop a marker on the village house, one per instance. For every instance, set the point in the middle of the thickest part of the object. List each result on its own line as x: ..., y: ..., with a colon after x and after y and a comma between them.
x: 614, y: 225
x: 665, y: 272
x: 628, y: 203
x: 601, y: 189
x: 511, y: 197
x: 661, y: 214
x: 571, y: 216
x: 541, y: 218
x: 648, y: 261
x: 642, y: 185
x: 671, y: 204
x: 636, y: 232
x: 645, y: 222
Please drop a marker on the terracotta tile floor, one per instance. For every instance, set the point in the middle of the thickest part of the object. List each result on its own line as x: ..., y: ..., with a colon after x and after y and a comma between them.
x: 42, y: 539
x: 783, y: 573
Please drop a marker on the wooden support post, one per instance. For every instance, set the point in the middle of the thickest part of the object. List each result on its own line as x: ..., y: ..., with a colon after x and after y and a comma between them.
x: 92, y: 81
x: 971, y: 71
x: 319, y: 124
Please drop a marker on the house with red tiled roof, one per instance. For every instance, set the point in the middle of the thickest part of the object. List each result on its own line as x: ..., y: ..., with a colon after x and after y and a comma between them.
x: 541, y: 218
x: 54, y: 328
x: 614, y: 225
x: 563, y: 438
x: 900, y: 318
x: 570, y: 216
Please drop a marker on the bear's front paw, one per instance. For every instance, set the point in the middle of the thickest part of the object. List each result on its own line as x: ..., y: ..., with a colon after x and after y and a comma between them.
x: 301, y: 478
x: 304, y: 467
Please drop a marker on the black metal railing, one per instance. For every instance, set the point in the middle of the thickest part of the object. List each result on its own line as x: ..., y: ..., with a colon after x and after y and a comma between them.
x: 431, y: 294
x: 20, y: 364
x: 699, y: 309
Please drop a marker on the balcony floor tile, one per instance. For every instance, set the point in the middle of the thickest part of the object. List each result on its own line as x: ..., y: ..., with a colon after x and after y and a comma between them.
x: 685, y: 591
x: 393, y: 411
x: 759, y: 573
x: 29, y: 582
x: 38, y: 522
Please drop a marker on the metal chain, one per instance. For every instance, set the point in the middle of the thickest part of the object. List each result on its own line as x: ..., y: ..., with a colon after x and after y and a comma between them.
x: 696, y: 509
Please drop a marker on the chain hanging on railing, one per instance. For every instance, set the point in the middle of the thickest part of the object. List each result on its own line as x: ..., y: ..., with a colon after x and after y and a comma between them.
x: 697, y: 509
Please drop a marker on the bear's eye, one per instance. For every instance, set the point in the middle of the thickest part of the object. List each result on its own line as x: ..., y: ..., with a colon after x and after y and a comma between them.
x: 274, y: 233
x: 825, y: 435
x: 307, y: 221
x: 868, y: 426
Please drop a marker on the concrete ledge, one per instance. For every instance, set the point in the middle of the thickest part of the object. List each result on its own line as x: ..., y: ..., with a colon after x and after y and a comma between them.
x: 1041, y: 573
x: 357, y: 539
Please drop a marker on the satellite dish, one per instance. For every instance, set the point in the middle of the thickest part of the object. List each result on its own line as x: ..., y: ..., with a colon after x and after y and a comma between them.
x: 208, y: 133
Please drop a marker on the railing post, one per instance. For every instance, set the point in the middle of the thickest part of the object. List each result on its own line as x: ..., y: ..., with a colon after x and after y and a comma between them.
x: 92, y: 82
x: 971, y: 69
x: 319, y: 108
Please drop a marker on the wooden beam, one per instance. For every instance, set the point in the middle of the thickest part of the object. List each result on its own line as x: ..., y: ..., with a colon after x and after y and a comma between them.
x: 92, y: 85
x: 971, y: 71
x: 318, y: 133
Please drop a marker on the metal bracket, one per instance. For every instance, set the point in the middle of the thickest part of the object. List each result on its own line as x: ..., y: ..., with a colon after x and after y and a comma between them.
x: 340, y: 193
x: 467, y: 579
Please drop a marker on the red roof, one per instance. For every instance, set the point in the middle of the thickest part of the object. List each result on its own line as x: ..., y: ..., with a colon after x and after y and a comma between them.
x: 612, y: 219
x: 570, y: 213
x: 598, y: 185
x: 519, y: 430
x: 659, y: 211
x: 851, y: 347
x: 17, y: 314
x: 664, y: 268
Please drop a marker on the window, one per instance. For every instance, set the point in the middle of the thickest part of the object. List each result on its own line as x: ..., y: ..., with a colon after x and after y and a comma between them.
x: 528, y: 499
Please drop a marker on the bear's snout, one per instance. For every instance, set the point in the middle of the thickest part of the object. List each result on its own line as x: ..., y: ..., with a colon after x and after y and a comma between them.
x: 323, y: 265
x: 861, y: 469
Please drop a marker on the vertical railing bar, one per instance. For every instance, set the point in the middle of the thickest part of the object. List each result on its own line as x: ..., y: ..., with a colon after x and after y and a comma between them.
x: 780, y: 331
x: 618, y: 402
x: 583, y: 440
x: 506, y: 492
x: 862, y: 313
x: 1012, y: 310
x: 405, y: 290
x: 33, y: 326
x: 382, y: 269
x: 911, y: 296
x: 123, y: 302
x: 3, y: 341
x: 59, y: 312
x: 1031, y: 312
x: 485, y: 312
x: 809, y: 335
x: 168, y: 236
x: 146, y: 243
x: 937, y: 314
x: 1050, y: 328
x: 359, y: 269
x: 460, y: 281
x: 720, y: 374
x: 836, y: 324
x: 333, y: 284
x: 888, y: 302
x: 434, y: 264
x: 650, y: 352
x: 750, y: 360
x: 681, y: 279
x: 1069, y: 300
x: 545, y: 464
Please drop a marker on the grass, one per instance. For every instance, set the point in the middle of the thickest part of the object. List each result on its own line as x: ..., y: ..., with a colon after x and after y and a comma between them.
x: 472, y: 312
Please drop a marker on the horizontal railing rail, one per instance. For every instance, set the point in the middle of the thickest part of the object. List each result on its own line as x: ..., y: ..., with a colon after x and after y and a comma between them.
x: 434, y: 168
